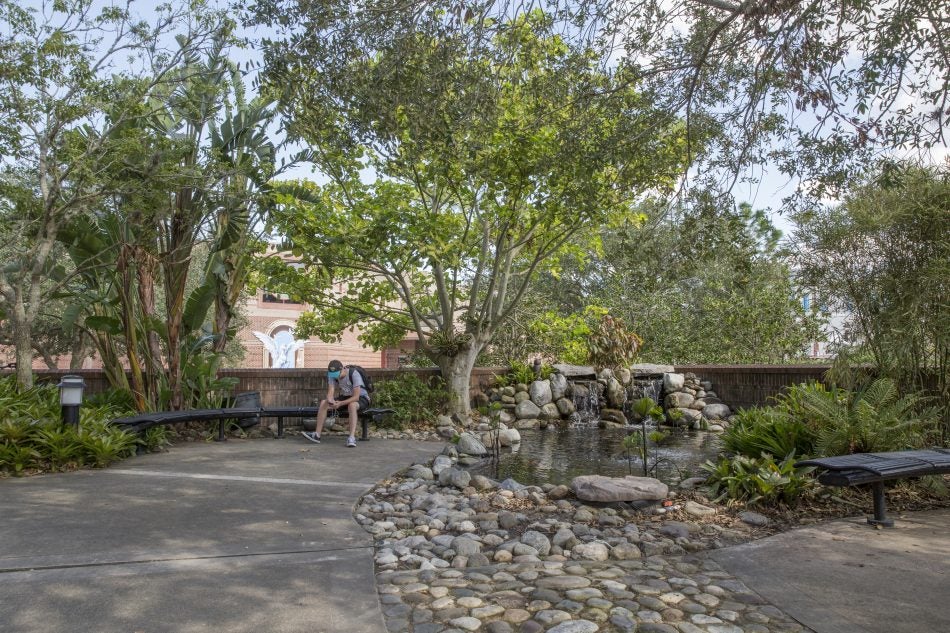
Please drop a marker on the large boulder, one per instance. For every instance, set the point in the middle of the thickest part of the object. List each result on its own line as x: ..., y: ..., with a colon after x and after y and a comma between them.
x: 673, y: 382
x: 678, y: 400
x: 454, y: 477
x: 609, y: 489
x: 716, y: 412
x: 527, y: 410
x: 550, y: 412
x: 624, y: 376
x: 565, y: 407
x: 558, y: 386
x: 651, y: 369
x: 616, y: 394
x: 575, y: 371
x: 613, y: 415
x: 540, y: 391
x: 687, y: 417
x: 471, y: 445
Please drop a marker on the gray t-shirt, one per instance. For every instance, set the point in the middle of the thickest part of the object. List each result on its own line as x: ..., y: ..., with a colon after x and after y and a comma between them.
x: 344, y: 385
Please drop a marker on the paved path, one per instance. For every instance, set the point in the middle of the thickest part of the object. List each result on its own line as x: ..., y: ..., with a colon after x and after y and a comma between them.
x: 238, y: 536
x: 845, y: 577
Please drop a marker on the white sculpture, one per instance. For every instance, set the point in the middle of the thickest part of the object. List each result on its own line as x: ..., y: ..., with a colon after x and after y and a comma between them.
x: 283, y: 354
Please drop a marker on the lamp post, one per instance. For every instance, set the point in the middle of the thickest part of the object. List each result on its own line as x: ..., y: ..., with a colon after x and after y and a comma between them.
x: 70, y: 397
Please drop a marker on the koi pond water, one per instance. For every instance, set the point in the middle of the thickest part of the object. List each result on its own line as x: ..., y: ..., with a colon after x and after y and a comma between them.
x: 557, y: 455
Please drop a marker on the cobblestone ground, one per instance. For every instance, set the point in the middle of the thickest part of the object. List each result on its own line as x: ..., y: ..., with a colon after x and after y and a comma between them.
x: 684, y: 594
x: 457, y: 553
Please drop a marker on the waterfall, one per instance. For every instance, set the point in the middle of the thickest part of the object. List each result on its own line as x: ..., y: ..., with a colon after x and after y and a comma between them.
x: 586, y: 404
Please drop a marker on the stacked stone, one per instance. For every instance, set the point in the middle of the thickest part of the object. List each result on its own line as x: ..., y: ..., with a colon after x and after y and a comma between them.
x: 537, y: 405
x: 697, y: 404
x: 457, y: 552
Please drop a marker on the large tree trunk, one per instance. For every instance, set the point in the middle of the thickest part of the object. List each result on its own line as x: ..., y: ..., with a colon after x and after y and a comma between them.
x: 457, y: 374
x: 22, y: 341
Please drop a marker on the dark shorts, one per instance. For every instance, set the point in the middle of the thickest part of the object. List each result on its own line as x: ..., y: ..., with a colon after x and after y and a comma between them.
x: 363, y: 402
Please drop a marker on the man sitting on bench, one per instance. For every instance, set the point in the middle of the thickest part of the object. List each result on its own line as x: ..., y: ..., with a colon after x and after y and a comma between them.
x: 354, y: 394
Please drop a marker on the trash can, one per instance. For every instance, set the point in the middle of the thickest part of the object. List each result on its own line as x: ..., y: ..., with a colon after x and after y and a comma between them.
x: 244, y: 400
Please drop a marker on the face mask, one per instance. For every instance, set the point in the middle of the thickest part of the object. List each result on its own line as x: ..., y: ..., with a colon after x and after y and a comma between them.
x: 333, y: 375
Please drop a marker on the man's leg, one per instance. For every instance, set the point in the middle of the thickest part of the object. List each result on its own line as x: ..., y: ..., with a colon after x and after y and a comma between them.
x: 354, y: 409
x: 322, y: 416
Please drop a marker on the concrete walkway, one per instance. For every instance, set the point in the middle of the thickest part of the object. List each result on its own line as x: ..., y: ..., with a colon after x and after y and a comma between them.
x: 846, y: 577
x: 237, y: 536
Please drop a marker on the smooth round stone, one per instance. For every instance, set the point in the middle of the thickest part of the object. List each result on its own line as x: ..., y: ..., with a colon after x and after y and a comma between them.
x: 563, y: 582
x: 516, y: 616
x: 503, y: 556
x: 438, y: 592
x: 445, y: 603
x: 551, y: 616
x: 584, y: 594
x: 487, y: 611
x: 530, y: 626
x: 576, y: 626
x: 469, y: 602
x: 467, y: 623
x: 498, y: 626
x: 673, y: 597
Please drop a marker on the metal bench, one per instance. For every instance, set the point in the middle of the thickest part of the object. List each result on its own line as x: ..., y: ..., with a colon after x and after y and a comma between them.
x: 246, y: 416
x: 876, y: 468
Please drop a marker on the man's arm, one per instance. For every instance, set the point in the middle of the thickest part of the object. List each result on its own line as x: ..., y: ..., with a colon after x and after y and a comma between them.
x: 330, y: 390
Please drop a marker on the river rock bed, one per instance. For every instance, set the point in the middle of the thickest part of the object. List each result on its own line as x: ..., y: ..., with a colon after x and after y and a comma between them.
x: 456, y: 552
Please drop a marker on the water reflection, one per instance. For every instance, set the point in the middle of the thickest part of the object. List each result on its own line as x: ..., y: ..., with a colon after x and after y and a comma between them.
x: 557, y: 455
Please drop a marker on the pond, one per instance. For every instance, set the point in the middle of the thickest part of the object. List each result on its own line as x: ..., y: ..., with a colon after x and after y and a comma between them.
x: 557, y: 455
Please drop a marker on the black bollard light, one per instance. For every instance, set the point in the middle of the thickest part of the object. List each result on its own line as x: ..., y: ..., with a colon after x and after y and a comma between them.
x: 70, y: 398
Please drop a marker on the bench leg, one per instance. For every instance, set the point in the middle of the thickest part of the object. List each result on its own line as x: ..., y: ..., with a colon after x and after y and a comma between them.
x: 280, y: 428
x: 365, y: 436
x: 880, y: 506
x: 221, y: 437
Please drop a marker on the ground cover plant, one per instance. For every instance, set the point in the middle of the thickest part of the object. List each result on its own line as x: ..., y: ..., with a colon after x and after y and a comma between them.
x: 763, y: 443
x: 33, y: 438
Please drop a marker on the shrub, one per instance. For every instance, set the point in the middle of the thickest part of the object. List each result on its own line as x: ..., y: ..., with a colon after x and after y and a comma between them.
x: 875, y: 419
x: 767, y: 430
x: 32, y: 435
x: 758, y: 481
x: 413, y: 399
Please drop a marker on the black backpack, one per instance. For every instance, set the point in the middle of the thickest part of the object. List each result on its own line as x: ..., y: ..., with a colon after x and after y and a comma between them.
x: 367, y: 381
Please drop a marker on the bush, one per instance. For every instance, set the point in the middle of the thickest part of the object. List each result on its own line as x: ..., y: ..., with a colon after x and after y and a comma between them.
x: 875, y: 419
x: 767, y: 430
x: 758, y: 481
x: 811, y: 419
x: 414, y: 400
x: 32, y: 436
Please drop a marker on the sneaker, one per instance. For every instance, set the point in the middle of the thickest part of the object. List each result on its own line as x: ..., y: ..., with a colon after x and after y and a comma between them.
x: 312, y: 436
x: 351, y: 442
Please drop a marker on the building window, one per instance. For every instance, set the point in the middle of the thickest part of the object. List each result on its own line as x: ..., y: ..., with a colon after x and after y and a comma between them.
x: 270, y: 297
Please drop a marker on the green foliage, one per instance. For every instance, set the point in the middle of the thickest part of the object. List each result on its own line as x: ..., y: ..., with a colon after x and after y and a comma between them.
x: 774, y: 431
x: 883, y: 258
x: 703, y: 282
x: 646, y: 408
x: 611, y: 344
x: 875, y: 419
x: 758, y: 481
x: 490, y: 154
x: 32, y: 436
x: 415, y: 401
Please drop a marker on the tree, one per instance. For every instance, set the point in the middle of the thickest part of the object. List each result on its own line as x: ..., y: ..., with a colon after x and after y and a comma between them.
x: 817, y: 87
x: 704, y: 286
x: 189, y: 186
x: 489, y: 156
x: 61, y: 70
x: 883, y: 257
